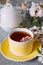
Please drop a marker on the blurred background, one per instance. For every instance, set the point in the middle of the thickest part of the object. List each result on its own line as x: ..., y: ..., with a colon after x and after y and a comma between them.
x: 19, y: 1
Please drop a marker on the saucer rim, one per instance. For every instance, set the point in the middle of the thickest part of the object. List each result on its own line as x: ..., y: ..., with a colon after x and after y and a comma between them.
x: 6, y: 57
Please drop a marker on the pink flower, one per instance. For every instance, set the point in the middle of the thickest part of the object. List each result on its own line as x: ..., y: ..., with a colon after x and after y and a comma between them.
x: 35, y: 10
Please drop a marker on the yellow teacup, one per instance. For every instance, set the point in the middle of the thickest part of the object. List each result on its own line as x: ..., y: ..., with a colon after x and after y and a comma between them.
x: 21, y: 48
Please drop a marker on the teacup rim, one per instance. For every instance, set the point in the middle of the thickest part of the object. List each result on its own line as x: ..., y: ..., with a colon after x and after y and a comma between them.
x: 11, y: 31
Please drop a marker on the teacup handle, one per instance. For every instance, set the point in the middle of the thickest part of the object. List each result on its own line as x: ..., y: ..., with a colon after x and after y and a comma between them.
x: 35, y: 37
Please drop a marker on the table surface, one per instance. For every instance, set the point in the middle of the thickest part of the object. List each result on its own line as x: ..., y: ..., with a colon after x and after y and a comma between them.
x: 4, y: 61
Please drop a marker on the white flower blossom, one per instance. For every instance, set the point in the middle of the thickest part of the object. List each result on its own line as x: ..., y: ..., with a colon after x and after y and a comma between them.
x: 40, y: 56
x: 35, y: 10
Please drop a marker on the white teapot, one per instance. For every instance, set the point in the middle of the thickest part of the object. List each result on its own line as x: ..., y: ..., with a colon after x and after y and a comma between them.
x: 10, y: 17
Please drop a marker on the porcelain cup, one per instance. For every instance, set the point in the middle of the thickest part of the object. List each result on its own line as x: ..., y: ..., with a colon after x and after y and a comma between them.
x: 21, y: 48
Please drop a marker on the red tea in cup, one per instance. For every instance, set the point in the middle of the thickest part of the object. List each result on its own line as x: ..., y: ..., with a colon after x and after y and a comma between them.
x: 20, y: 36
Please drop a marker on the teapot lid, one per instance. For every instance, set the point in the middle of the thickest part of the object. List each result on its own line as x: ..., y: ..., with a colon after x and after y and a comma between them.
x: 8, y: 8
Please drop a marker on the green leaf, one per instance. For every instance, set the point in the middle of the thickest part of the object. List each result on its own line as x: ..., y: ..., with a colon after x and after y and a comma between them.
x: 21, y: 24
x: 39, y: 51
